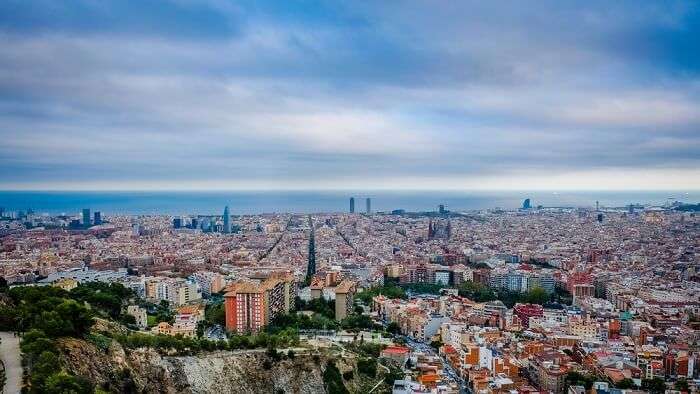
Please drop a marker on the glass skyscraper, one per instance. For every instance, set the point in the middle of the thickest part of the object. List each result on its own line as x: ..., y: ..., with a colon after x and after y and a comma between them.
x: 86, y: 217
x: 227, y: 221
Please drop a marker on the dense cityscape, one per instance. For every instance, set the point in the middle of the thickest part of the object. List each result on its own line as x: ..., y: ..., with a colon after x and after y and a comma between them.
x: 349, y: 197
x: 536, y: 299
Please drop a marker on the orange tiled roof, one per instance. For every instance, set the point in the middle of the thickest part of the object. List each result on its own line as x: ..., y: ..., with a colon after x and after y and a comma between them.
x: 396, y: 350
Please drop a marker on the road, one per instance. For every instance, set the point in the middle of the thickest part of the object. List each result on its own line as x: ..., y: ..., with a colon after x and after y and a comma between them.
x: 9, y: 353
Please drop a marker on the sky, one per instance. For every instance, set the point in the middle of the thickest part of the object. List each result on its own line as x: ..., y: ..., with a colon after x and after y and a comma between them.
x: 188, y: 95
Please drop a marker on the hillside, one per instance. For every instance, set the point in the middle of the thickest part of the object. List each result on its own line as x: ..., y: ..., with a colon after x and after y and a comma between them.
x: 223, y: 372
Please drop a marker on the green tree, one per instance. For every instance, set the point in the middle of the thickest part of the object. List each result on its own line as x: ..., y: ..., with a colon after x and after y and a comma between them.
x: 655, y: 385
x: 43, y: 368
x: 681, y: 385
x: 476, y: 291
x: 393, y: 328
x: 367, y: 366
x: 577, y: 379
x: 625, y: 384
x: 215, y: 314
x: 62, y: 383
x: 435, y: 344
x: 107, y: 298
x: 355, y: 321
x: 537, y: 296
x: 8, y: 318
x: 395, y: 373
x: 388, y: 290
x: 333, y: 381
x: 34, y: 342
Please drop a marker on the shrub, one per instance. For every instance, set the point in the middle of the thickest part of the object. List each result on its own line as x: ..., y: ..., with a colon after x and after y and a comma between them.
x: 367, y: 366
x: 333, y: 381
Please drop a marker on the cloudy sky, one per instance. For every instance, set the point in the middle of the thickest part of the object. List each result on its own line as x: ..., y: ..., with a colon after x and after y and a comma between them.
x: 188, y: 94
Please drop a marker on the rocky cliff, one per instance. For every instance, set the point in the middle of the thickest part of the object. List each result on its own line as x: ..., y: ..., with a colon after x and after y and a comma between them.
x: 146, y: 371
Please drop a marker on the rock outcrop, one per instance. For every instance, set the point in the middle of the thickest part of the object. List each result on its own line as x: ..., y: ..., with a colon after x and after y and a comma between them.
x: 221, y: 372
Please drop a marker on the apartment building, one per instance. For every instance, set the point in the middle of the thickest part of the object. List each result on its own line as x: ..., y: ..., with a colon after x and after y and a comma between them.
x: 251, y: 306
x: 176, y: 291
x: 344, y: 294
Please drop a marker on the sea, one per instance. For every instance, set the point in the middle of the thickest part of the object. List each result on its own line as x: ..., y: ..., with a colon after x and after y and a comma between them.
x: 259, y: 202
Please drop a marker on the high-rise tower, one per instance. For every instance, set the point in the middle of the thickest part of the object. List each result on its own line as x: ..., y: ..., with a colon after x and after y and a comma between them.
x: 311, y: 266
x: 227, y: 221
x: 369, y: 206
x: 86, y: 217
x: 352, y: 204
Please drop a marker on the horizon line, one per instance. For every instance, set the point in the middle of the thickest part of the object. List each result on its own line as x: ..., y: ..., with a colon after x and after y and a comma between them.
x: 340, y: 189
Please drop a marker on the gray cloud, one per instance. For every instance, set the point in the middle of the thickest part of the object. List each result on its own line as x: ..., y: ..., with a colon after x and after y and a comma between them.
x: 461, y: 91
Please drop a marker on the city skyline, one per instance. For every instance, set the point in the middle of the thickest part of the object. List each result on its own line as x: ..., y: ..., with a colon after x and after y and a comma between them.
x: 350, y: 197
x: 324, y: 95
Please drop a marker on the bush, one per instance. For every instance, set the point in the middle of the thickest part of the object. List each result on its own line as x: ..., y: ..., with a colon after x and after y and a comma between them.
x: 681, y: 385
x: 395, y: 373
x: 188, y: 345
x: 333, y: 381
x: 624, y: 384
x: 215, y: 314
x: 388, y: 290
x: 62, y: 383
x: 367, y: 349
x: 48, y: 309
x: 296, y: 322
x: 476, y: 291
x: 108, y: 298
x: 355, y: 321
x: 102, y: 342
x: 273, y: 353
x: 393, y: 328
x: 367, y: 366
x: 655, y: 385
x: 577, y: 379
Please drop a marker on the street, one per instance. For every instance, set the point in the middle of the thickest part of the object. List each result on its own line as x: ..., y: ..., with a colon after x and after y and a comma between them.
x: 9, y: 353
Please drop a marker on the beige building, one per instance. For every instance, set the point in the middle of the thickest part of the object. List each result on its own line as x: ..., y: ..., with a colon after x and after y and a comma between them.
x: 344, y: 294
x: 583, y: 330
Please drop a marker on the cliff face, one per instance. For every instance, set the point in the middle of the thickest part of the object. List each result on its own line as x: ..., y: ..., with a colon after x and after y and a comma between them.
x: 146, y: 371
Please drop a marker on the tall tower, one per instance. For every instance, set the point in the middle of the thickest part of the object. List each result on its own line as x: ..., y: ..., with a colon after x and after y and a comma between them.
x: 227, y: 221
x: 98, y: 218
x: 86, y: 217
x: 311, y: 267
x: 352, y: 204
x: 369, y: 206
x: 597, y: 206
